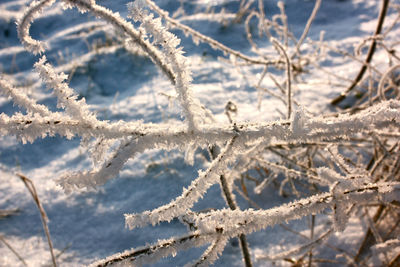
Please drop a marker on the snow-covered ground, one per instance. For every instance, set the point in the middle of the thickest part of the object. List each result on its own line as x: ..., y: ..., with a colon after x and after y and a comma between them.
x: 120, y: 85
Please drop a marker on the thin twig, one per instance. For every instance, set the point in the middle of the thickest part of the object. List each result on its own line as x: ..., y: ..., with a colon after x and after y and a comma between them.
x: 7, y: 213
x: 368, y: 235
x: 149, y: 250
x: 288, y: 74
x: 381, y: 91
x: 311, y: 238
x: 298, y: 250
x: 283, y: 18
x: 381, y: 18
x: 308, y: 26
x: 233, y: 206
x: 31, y: 188
x: 13, y: 250
x: 198, y: 36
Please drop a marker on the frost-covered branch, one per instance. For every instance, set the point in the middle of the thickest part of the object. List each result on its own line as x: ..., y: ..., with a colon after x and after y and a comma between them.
x: 300, y: 130
x: 189, y: 195
x: 308, y: 26
x: 21, y: 99
x: 121, y: 24
x: 197, y: 36
x: 152, y: 253
x: 218, y: 226
x: 109, y: 169
x: 298, y: 139
x: 303, y: 130
x: 174, y: 57
x: 380, y: 116
x: 67, y: 98
x: 24, y: 24
x: 234, y: 222
x: 212, y: 252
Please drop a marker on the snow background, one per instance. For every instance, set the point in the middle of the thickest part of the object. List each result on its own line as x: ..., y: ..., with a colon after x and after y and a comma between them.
x: 86, y: 226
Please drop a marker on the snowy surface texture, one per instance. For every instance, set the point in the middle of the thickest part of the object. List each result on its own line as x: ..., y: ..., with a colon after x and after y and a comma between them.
x: 125, y: 116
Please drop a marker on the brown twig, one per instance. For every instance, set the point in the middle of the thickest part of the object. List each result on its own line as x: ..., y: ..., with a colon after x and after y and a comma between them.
x: 310, y: 256
x: 13, y: 250
x: 7, y: 213
x: 288, y: 75
x: 233, y: 206
x: 371, y: 50
x: 368, y: 235
x: 31, y: 188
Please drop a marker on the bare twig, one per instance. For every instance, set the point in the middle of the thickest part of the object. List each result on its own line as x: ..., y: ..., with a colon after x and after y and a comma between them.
x: 7, y: 213
x: 311, y: 238
x: 381, y: 91
x: 288, y: 74
x: 13, y: 250
x: 307, y: 247
x: 31, y: 188
x: 381, y: 18
x: 233, y: 206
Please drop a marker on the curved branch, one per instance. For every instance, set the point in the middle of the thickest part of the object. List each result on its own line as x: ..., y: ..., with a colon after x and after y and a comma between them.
x: 371, y: 50
x: 24, y: 24
x: 288, y: 77
x: 117, y: 21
